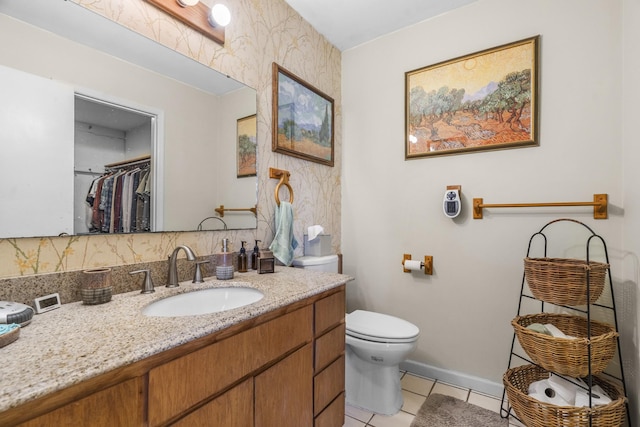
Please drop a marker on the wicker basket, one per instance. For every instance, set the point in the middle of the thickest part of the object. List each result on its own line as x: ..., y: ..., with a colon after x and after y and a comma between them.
x: 534, y: 413
x: 567, y: 356
x: 564, y: 281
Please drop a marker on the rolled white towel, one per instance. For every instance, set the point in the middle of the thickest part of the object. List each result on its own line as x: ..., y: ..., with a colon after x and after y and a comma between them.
x: 557, y: 333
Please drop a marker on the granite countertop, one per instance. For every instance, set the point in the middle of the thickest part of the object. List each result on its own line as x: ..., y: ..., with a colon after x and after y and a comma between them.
x: 76, y: 342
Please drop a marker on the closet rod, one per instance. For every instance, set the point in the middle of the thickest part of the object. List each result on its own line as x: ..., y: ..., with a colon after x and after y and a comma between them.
x: 222, y: 209
x: 600, y: 206
x: 135, y: 160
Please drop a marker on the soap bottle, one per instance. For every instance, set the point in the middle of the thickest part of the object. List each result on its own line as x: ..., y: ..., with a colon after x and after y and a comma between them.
x: 224, y: 262
x: 242, y: 259
x: 255, y: 255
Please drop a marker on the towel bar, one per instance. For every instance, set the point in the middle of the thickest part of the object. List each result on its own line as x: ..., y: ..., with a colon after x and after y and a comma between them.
x: 599, y: 206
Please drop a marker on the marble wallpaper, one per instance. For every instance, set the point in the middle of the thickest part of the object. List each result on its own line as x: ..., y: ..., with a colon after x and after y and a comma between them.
x: 261, y: 32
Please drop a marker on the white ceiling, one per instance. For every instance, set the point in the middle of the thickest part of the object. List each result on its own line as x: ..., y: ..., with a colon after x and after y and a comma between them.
x: 349, y: 23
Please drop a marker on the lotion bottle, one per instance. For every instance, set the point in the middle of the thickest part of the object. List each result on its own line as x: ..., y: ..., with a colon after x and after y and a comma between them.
x: 255, y: 255
x: 224, y: 262
x: 242, y: 259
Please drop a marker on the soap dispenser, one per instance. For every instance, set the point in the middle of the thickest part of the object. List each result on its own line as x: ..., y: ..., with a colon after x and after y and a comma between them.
x: 255, y: 255
x: 224, y: 262
x: 242, y: 259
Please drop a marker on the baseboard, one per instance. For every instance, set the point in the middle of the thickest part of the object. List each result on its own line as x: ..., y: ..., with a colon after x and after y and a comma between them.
x: 452, y: 377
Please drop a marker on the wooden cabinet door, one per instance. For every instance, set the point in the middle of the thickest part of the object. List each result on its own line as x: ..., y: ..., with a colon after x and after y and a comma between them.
x: 284, y: 392
x: 233, y: 409
x: 121, y: 405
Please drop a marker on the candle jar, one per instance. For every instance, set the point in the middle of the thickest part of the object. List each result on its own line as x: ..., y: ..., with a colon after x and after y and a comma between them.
x: 95, y: 287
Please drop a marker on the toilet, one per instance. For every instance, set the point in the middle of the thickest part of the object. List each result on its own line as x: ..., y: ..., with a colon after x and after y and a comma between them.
x: 376, y: 344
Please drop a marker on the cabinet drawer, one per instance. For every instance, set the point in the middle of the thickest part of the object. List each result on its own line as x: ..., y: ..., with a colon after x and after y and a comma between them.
x: 329, y: 346
x: 180, y: 384
x: 329, y: 312
x: 333, y: 415
x: 327, y: 385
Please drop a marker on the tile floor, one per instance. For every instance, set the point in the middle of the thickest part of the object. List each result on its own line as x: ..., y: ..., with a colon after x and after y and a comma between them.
x: 415, y: 390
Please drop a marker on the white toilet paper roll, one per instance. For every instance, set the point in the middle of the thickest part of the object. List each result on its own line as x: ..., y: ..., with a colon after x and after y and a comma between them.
x: 567, y: 388
x: 537, y: 387
x: 542, y: 391
x: 598, y: 397
x: 412, y: 265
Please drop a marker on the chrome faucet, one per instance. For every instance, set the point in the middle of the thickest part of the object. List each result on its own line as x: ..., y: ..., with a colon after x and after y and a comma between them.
x: 173, y: 267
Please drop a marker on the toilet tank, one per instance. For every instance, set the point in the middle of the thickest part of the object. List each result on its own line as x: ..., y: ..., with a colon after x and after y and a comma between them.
x: 327, y: 263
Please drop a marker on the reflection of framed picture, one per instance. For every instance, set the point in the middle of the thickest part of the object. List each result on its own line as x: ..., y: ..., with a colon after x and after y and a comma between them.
x: 483, y: 101
x: 247, y: 131
x: 302, y: 119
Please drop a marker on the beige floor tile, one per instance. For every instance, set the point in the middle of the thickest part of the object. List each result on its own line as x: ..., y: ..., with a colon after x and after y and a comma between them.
x: 484, y: 401
x: 352, y: 422
x: 412, y: 402
x: 417, y: 384
x: 358, y: 414
x: 401, y: 419
x: 449, y: 390
x: 515, y: 423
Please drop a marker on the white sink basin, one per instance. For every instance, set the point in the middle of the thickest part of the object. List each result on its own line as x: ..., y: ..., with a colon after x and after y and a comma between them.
x: 205, y: 301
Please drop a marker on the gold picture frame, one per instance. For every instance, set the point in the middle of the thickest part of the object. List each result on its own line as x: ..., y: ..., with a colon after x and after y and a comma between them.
x: 486, y: 100
x: 246, y: 146
x: 303, y: 119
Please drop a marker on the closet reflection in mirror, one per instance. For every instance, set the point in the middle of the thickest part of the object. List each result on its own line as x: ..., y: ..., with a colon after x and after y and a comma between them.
x: 190, y: 127
x: 112, y: 197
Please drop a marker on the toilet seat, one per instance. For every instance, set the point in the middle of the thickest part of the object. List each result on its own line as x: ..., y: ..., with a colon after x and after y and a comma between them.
x: 378, y: 327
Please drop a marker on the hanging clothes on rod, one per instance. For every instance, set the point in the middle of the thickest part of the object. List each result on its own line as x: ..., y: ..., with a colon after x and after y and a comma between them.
x: 120, y: 200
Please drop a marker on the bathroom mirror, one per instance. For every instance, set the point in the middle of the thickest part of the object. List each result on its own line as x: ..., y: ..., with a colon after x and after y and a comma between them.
x: 190, y: 112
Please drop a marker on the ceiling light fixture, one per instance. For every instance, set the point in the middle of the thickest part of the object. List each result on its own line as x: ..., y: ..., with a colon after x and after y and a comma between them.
x: 198, y: 16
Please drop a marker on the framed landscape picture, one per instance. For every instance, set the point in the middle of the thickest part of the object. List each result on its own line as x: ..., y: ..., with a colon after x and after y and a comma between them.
x: 483, y: 101
x: 303, y: 123
x: 247, y: 142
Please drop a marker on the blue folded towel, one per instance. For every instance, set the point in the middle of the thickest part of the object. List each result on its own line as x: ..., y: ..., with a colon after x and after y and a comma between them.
x: 284, y: 243
x: 5, y: 329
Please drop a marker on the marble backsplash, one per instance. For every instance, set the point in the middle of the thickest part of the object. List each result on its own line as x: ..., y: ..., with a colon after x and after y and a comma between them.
x: 25, y: 289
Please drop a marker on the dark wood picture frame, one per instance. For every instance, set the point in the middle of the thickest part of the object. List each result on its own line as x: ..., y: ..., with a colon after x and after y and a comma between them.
x: 303, y: 119
x: 486, y: 100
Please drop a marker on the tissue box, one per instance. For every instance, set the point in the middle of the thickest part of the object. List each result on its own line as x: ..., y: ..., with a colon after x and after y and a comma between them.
x: 320, y: 246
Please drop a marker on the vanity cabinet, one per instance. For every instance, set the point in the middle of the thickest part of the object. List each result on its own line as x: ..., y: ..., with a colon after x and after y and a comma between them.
x: 186, y: 382
x: 283, y: 368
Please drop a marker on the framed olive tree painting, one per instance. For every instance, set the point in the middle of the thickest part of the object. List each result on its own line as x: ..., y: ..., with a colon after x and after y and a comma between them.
x: 483, y: 101
x: 247, y: 143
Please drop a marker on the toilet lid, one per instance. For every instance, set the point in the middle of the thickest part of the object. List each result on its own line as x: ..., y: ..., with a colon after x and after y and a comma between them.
x: 380, y: 327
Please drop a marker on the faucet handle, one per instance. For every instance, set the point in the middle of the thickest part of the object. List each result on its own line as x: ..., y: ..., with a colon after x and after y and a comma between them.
x: 197, y: 275
x: 147, y: 284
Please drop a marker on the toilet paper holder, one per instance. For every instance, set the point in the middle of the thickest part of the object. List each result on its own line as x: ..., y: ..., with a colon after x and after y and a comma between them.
x: 427, y: 264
